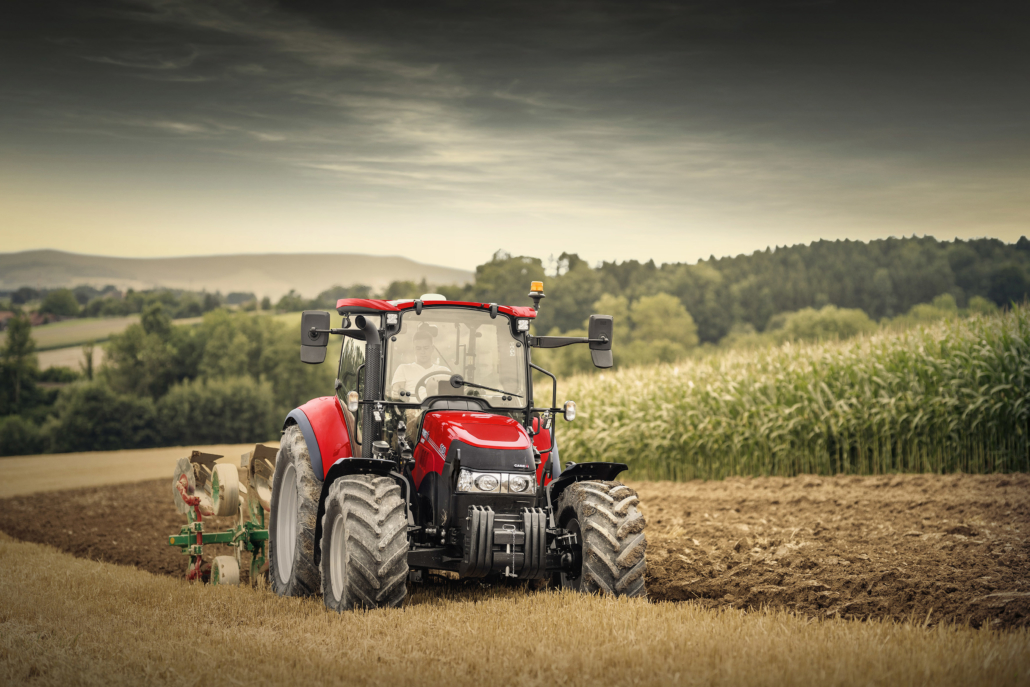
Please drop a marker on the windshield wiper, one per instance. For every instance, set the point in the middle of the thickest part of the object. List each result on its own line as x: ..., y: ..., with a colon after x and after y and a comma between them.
x: 457, y: 381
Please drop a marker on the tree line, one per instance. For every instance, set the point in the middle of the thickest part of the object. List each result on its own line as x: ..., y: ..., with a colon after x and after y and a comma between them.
x: 233, y: 377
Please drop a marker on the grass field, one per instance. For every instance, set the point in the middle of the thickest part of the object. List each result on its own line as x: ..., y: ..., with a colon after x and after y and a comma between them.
x: 78, y: 331
x: 60, y: 344
x: 70, y: 621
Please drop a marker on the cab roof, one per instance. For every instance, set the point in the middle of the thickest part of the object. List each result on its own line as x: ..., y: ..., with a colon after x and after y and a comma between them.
x: 368, y: 306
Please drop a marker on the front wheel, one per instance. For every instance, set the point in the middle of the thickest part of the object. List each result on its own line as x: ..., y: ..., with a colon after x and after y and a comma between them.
x: 608, y: 557
x: 364, y: 544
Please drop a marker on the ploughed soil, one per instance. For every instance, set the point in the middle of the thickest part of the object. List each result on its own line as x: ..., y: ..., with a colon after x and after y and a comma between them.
x: 926, y: 548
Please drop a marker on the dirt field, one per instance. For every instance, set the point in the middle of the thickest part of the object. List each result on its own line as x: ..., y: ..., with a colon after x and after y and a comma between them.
x: 918, y: 547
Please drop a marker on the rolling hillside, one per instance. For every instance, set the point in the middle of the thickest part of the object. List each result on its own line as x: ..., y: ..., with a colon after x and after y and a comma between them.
x: 269, y: 275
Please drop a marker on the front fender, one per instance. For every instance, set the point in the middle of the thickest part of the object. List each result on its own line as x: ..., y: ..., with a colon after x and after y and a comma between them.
x: 325, y: 431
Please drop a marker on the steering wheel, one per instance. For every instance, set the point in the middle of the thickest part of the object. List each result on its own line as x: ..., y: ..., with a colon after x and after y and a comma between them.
x: 421, y: 384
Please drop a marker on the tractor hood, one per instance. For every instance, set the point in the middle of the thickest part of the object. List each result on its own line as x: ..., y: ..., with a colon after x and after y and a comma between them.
x: 481, y: 441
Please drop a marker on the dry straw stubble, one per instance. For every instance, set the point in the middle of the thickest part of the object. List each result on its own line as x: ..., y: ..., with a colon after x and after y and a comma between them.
x: 70, y: 621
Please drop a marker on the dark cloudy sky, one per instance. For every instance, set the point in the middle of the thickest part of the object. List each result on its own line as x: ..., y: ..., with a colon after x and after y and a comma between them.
x: 443, y: 131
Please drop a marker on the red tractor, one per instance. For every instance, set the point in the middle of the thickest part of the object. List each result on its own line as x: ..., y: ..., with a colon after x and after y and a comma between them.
x: 433, y: 455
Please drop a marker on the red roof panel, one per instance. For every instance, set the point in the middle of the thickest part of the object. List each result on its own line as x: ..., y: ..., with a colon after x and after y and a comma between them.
x: 351, y: 305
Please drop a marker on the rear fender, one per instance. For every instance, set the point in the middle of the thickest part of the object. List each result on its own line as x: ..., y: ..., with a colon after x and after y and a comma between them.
x: 324, y: 427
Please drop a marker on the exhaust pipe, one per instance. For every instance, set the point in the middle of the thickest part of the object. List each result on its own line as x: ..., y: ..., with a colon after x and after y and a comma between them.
x: 370, y: 429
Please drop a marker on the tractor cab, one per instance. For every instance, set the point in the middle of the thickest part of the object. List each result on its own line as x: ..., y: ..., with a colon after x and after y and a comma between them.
x: 434, y: 455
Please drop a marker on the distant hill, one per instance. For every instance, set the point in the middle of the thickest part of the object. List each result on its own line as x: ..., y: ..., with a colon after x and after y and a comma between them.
x: 269, y: 275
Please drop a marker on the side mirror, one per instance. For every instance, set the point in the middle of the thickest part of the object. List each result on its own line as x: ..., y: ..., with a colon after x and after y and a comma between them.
x: 601, y: 353
x: 314, y: 336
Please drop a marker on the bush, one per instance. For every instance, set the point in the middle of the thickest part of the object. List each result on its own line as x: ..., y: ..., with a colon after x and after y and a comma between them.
x: 58, y: 375
x: 60, y: 302
x: 93, y: 417
x: 232, y: 411
x: 19, y: 437
x: 829, y: 323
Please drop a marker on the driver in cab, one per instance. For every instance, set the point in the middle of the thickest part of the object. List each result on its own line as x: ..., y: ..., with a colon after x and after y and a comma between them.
x: 407, y: 376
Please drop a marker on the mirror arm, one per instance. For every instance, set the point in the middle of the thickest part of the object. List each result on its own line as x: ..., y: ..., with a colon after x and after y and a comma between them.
x: 314, y: 332
x: 559, y: 341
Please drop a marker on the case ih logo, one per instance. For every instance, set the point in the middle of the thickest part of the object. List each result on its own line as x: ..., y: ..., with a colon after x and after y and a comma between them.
x: 439, y: 449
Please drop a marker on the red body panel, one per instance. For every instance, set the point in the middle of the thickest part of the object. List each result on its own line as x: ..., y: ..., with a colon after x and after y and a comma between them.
x: 542, y: 441
x: 387, y: 306
x: 485, y: 430
x: 326, y: 417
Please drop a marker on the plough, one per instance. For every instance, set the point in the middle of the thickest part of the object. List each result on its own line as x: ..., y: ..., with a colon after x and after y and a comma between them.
x: 203, y: 488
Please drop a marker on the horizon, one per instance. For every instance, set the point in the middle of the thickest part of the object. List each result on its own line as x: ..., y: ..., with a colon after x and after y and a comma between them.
x: 548, y: 261
x: 625, y: 132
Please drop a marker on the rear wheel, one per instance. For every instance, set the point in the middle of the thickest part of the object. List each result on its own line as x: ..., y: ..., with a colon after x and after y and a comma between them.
x: 609, y: 554
x: 291, y: 525
x: 364, y: 544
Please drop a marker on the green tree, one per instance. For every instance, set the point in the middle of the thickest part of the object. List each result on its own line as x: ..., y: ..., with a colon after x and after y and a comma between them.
x: 90, y: 416
x: 663, y: 317
x: 506, y: 279
x: 211, y: 411
x: 570, y: 296
x: 18, y: 363
x: 291, y: 302
x: 146, y: 358
x: 19, y: 436
x: 60, y: 302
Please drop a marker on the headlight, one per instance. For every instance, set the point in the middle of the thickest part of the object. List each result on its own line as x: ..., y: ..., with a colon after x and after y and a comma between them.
x: 518, y: 483
x: 487, y: 483
x: 495, y: 482
x: 523, y: 325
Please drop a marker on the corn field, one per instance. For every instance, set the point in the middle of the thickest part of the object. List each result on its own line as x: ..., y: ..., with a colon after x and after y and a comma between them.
x: 952, y: 397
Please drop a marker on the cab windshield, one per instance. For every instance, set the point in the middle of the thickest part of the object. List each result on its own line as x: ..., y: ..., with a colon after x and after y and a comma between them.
x: 432, y: 347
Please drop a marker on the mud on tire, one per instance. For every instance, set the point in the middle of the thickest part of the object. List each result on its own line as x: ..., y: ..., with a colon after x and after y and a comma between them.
x: 291, y: 526
x: 611, y: 531
x: 364, y: 544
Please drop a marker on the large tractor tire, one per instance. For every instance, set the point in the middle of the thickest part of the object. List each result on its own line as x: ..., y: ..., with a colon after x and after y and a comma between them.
x: 364, y: 544
x: 291, y: 525
x: 610, y: 534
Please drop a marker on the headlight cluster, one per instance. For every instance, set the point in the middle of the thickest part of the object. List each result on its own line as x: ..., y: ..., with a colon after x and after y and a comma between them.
x: 496, y: 482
